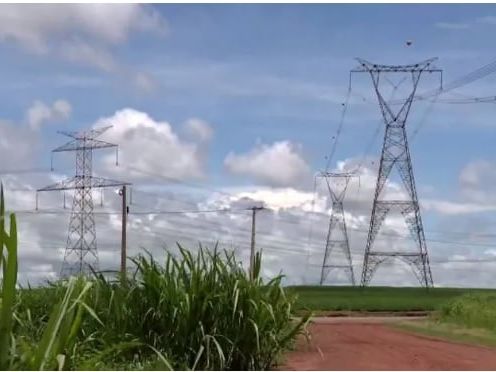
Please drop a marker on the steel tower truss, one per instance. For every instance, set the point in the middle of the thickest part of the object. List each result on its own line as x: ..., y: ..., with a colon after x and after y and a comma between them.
x: 81, y: 250
x: 396, y: 154
x: 337, y: 235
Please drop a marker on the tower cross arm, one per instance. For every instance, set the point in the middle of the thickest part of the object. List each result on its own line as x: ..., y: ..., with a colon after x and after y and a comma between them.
x: 366, y: 66
x: 79, y: 182
x: 106, y: 182
x: 88, y: 134
x: 84, y: 145
x: 337, y: 174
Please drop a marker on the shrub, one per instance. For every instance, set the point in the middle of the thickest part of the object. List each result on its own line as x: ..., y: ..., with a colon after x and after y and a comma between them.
x: 474, y: 310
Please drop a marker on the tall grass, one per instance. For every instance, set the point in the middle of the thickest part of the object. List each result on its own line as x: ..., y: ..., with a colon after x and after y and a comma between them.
x: 199, y: 311
x: 475, y: 310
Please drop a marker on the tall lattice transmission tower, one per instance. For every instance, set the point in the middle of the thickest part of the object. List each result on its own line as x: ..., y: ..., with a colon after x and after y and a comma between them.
x: 81, y: 249
x: 396, y: 154
x: 337, y: 254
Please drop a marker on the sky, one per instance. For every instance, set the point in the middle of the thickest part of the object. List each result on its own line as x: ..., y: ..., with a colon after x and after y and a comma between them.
x: 230, y: 106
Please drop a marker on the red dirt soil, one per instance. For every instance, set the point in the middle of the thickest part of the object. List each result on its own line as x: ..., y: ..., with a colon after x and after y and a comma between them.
x: 374, y: 346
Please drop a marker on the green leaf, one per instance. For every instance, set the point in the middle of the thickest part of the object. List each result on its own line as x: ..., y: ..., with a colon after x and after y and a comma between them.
x: 9, y: 282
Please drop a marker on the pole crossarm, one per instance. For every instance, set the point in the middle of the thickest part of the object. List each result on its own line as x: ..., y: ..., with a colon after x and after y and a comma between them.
x: 77, y: 182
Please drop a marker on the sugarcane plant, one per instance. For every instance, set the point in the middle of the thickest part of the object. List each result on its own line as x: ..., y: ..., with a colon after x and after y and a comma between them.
x: 58, y: 340
x: 8, y: 263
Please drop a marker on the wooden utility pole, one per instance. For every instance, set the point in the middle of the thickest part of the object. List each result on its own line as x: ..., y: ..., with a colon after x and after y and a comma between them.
x: 253, y: 233
x: 124, y: 232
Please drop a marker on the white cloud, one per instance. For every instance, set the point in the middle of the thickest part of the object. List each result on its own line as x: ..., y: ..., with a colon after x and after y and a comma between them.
x: 80, y: 52
x: 17, y: 145
x: 273, y: 198
x: 80, y: 33
x: 230, y: 79
x: 491, y: 20
x: 472, y: 175
x: 150, y: 146
x: 40, y: 113
x: 144, y: 82
x: 456, y: 208
x: 199, y: 129
x: 453, y: 25
x: 477, y: 179
x: 278, y: 164
x: 38, y: 27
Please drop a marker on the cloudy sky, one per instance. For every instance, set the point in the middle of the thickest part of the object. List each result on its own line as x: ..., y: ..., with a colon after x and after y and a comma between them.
x: 230, y: 106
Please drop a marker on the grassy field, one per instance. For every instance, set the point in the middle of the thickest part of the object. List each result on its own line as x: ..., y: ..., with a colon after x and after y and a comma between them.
x: 331, y: 298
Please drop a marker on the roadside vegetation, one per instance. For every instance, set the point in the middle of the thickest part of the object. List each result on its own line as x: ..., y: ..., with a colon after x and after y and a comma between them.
x: 470, y: 318
x: 196, y: 311
x: 333, y: 298
x: 475, y: 310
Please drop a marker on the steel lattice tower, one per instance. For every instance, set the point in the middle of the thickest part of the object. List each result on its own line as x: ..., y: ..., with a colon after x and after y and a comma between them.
x: 81, y: 250
x: 395, y: 153
x: 337, y: 235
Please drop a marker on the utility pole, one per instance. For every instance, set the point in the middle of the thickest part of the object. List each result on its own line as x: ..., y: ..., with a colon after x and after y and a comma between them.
x: 81, y: 255
x: 254, y: 211
x: 125, y: 211
x: 396, y: 154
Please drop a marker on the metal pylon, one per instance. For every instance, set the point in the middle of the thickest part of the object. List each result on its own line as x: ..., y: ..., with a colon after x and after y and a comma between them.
x: 396, y: 154
x: 81, y: 249
x: 337, y: 235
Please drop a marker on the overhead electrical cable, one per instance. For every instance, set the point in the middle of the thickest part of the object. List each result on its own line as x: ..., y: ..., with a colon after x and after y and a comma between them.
x: 338, y: 131
x: 469, y: 78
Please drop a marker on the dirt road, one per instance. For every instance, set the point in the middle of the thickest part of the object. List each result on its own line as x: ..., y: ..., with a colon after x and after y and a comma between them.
x: 368, y: 344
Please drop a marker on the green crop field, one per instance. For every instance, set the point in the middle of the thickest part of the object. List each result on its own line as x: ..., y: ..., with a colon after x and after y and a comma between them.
x: 333, y: 298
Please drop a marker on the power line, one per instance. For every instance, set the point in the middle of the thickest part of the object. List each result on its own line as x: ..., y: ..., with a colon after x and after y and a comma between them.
x: 310, y: 230
x: 422, y: 121
x: 149, y: 212
x: 400, y: 236
x: 177, y: 180
x: 338, y: 131
x: 472, y: 76
x: 25, y: 171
